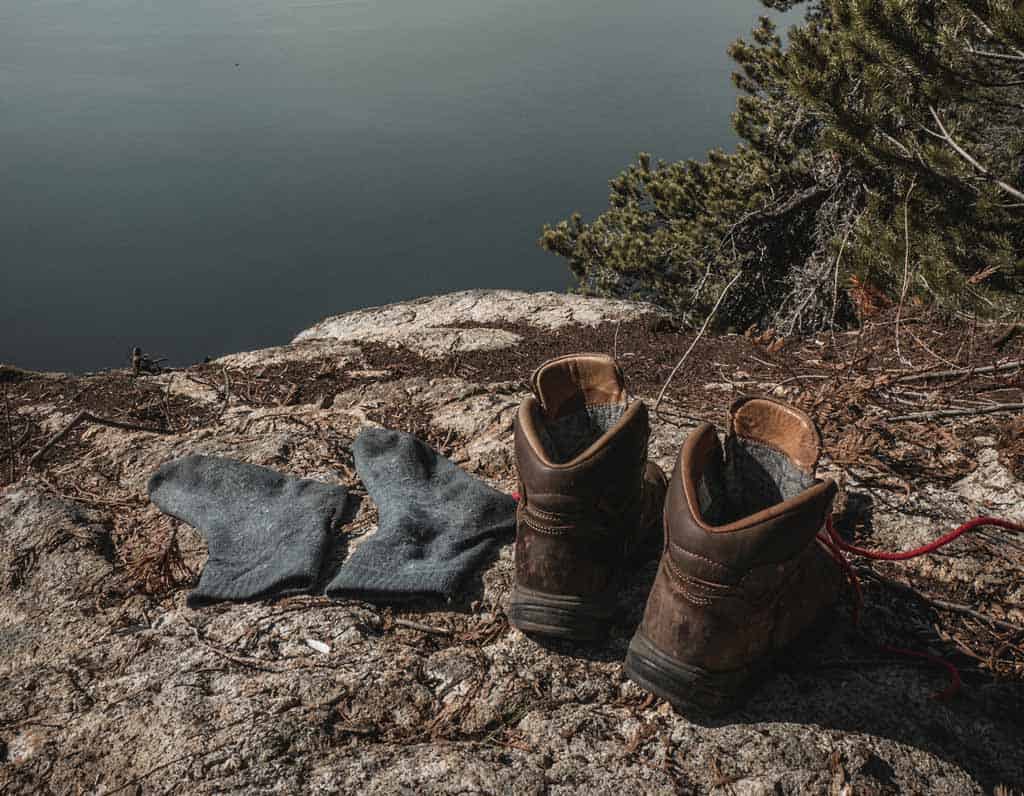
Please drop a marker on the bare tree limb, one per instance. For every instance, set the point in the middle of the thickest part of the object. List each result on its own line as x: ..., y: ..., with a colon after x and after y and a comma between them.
x: 987, y: 28
x: 83, y: 417
x: 700, y: 334
x: 945, y: 605
x: 408, y: 623
x: 835, y: 281
x: 906, y: 267
x: 989, y: 54
x: 950, y: 374
x: 979, y: 410
x: 967, y: 156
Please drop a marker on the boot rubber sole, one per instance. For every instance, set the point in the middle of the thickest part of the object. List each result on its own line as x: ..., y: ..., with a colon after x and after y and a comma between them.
x: 688, y: 687
x: 692, y: 689
x: 558, y: 615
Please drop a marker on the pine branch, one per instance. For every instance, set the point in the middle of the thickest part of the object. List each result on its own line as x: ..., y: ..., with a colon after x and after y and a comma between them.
x: 945, y: 136
x: 1001, y: 56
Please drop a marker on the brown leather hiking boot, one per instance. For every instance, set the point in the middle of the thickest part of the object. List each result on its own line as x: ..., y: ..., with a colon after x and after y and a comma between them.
x: 742, y: 573
x: 589, y: 499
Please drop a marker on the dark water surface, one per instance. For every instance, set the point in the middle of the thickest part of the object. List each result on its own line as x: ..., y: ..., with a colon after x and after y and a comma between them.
x: 204, y: 177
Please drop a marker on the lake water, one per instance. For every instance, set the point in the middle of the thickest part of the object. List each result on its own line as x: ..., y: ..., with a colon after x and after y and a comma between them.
x: 198, y: 178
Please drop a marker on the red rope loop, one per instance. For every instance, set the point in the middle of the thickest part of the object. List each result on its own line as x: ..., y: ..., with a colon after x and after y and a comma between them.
x: 931, y: 547
x: 837, y: 546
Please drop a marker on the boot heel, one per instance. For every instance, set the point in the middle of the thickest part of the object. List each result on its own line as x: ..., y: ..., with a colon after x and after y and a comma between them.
x: 686, y: 687
x: 558, y: 615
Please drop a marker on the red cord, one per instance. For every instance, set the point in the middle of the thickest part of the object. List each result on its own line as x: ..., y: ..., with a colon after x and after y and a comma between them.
x: 881, y: 555
x: 951, y: 689
x: 858, y: 593
x: 835, y: 544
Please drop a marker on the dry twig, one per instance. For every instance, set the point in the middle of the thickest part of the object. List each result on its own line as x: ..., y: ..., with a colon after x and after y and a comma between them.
x: 978, y: 410
x: 88, y: 417
x: 289, y: 399
x: 998, y: 56
x: 835, y: 281
x: 700, y: 334
x: 437, y: 631
x: 952, y: 374
x: 942, y: 604
x: 945, y: 136
x: 1006, y: 336
x: 906, y: 267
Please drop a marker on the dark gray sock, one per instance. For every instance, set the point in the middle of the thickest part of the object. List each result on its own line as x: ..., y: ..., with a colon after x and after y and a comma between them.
x: 437, y: 523
x: 266, y: 531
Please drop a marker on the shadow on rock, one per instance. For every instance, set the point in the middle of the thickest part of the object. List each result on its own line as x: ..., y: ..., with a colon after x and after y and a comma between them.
x: 843, y: 681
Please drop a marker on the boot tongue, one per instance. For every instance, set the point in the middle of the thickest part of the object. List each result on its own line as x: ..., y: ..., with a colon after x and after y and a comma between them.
x: 778, y: 426
x: 570, y: 384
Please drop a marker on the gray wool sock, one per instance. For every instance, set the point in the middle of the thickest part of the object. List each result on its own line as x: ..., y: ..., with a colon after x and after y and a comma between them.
x: 437, y: 523
x: 266, y: 531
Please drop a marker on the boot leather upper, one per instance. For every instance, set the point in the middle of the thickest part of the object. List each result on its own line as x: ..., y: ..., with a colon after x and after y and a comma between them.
x: 577, y: 517
x: 742, y: 579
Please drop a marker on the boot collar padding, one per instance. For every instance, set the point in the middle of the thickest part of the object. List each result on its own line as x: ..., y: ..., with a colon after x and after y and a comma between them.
x: 778, y: 426
x: 571, y: 384
x: 530, y: 421
x: 722, y: 499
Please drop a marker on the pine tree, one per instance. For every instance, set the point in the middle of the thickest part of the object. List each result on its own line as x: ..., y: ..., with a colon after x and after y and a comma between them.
x: 881, y: 123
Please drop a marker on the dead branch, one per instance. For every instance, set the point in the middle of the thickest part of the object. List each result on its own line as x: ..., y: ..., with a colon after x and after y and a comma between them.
x: 81, y: 496
x: 979, y: 410
x: 999, y: 56
x: 801, y: 377
x: 956, y: 608
x: 89, y: 417
x: 679, y: 419
x: 835, y: 282
x: 700, y: 334
x: 1006, y: 336
x: 289, y: 399
x: 952, y: 374
x: 437, y: 631
x: 25, y: 436
x: 945, y: 136
x: 252, y: 663
x: 906, y: 267
x: 924, y: 347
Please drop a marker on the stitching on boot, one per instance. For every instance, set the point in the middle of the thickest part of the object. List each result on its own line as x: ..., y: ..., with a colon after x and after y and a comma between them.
x: 694, y: 591
x: 550, y: 515
x: 555, y: 531
x: 711, y: 561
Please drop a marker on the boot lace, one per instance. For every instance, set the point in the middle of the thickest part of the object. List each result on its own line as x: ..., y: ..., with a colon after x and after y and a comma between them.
x: 837, y: 546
